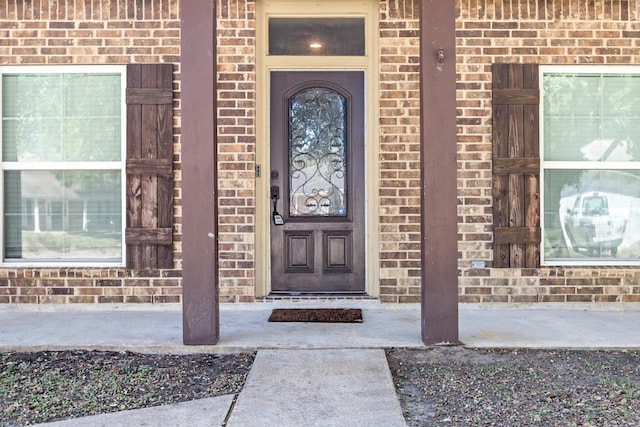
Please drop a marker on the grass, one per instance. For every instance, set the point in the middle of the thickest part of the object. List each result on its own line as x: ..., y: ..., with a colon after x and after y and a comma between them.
x: 40, y: 388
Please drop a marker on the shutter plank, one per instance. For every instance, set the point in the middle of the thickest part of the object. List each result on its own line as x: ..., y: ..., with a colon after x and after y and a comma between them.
x: 532, y: 150
x: 500, y: 190
x: 149, y: 201
x: 516, y: 165
x: 516, y: 217
x: 532, y: 179
x: 516, y: 180
x: 165, y: 152
x: 501, y: 218
x: 165, y: 218
x: 531, y: 114
x: 149, y: 96
x: 134, y: 215
x: 162, y: 167
x: 149, y: 117
x: 532, y: 217
x: 134, y: 181
x: 516, y: 97
x: 150, y: 217
x: 149, y: 151
x: 145, y: 236
x: 506, y: 235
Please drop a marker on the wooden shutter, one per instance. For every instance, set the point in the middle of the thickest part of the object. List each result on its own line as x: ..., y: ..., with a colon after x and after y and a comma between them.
x: 149, y: 232
x: 516, y: 166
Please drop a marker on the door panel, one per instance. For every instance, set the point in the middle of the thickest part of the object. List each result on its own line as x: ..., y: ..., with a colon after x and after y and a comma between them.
x: 299, y: 248
x: 317, y: 178
x: 338, y: 255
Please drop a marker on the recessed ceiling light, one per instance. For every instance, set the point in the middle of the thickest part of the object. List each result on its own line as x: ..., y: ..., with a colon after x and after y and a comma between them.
x: 315, y: 45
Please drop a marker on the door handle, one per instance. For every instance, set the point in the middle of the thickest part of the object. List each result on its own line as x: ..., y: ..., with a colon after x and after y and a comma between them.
x: 275, y: 195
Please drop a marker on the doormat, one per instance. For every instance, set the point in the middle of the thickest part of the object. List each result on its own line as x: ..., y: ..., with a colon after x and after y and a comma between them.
x: 325, y: 315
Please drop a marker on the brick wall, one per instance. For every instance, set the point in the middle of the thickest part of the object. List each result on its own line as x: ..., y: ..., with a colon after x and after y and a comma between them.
x: 399, y: 151
x: 42, y: 32
x: 236, y: 148
x: 544, y: 32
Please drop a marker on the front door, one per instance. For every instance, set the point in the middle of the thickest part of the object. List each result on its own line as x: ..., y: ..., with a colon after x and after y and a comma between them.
x: 317, y: 182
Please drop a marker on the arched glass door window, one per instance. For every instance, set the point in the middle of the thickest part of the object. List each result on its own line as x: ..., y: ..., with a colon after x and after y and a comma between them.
x: 317, y: 153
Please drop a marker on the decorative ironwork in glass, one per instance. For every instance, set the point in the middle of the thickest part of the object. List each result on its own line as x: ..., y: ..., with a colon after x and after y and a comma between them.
x: 317, y: 153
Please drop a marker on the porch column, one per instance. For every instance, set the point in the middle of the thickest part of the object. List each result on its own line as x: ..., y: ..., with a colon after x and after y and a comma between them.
x: 200, y: 309
x: 439, y: 179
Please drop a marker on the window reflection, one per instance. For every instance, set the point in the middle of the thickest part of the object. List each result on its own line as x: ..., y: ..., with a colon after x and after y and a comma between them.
x: 591, y: 165
x: 592, y: 213
x: 59, y: 215
x: 592, y: 117
x: 317, y: 149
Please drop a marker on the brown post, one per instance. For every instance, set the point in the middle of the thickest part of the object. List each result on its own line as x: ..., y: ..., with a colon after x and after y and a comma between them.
x: 439, y: 177
x: 200, y: 310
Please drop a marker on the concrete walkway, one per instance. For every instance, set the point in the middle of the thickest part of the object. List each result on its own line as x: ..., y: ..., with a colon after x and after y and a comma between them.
x: 304, y: 373
x: 331, y: 387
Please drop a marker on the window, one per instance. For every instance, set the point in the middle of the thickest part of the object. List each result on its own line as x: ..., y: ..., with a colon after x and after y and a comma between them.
x: 317, y: 36
x: 63, y: 138
x: 317, y: 153
x: 590, y: 145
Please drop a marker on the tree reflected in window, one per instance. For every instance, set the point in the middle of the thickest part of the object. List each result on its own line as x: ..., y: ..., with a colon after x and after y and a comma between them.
x: 317, y: 150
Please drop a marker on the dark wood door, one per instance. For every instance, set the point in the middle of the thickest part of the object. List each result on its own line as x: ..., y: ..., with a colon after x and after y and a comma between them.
x: 317, y: 182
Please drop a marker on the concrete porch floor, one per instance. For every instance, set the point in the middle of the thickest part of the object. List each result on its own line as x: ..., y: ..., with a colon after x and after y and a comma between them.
x: 244, y: 327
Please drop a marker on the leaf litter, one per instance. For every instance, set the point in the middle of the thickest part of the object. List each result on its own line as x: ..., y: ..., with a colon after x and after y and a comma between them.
x: 50, y: 386
x: 455, y: 386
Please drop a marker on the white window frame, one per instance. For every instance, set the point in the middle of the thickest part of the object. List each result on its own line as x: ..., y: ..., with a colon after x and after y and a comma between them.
x: 578, y: 165
x: 67, y: 166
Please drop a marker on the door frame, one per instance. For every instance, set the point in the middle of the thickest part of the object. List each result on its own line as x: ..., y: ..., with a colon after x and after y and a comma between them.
x: 264, y: 66
x: 319, y: 275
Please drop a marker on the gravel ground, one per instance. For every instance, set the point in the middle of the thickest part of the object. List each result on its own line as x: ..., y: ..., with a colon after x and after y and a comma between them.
x: 48, y: 386
x: 453, y: 386
x: 443, y: 386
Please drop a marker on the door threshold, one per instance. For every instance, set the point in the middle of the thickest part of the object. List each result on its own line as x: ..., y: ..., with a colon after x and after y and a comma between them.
x: 292, y: 297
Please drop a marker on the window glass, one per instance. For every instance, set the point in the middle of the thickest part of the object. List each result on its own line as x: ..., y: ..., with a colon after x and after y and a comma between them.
x: 61, y: 117
x: 591, y: 117
x: 62, y: 215
x: 62, y: 166
x: 317, y: 36
x: 591, y: 167
x: 317, y: 153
